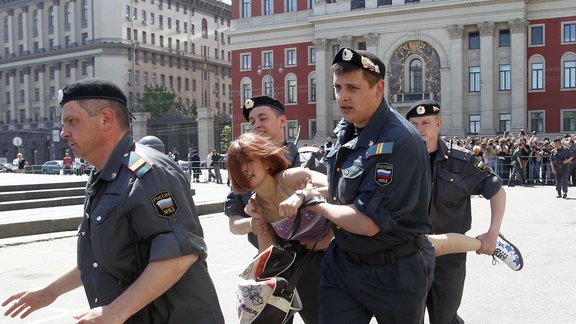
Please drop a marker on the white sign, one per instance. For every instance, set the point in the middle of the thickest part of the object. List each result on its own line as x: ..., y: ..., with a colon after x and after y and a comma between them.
x: 17, y: 141
x: 55, y: 135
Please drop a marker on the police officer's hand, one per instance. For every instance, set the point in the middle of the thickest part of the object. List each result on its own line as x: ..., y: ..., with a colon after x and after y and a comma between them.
x: 26, y: 302
x: 258, y: 226
x: 98, y: 315
x: 489, y: 241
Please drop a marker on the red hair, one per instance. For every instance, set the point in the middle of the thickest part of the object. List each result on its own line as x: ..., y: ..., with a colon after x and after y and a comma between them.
x: 249, y: 147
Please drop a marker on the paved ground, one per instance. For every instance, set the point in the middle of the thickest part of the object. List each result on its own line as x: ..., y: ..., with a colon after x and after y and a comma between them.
x: 538, y: 223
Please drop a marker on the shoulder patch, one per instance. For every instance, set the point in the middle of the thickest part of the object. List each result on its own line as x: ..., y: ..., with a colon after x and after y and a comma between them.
x: 379, y: 149
x: 164, y: 203
x: 136, y: 164
x: 480, y: 165
x: 383, y: 173
x: 460, y: 154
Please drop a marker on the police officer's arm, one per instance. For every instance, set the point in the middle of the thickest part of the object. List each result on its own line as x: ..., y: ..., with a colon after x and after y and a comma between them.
x: 26, y: 302
x: 497, y: 208
x: 347, y: 217
x: 157, y: 278
x: 238, y: 220
x: 260, y: 226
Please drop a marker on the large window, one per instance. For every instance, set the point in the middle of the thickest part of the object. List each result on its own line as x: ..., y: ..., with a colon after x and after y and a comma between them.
x: 537, y: 121
x: 312, y: 89
x: 291, y: 91
x: 569, y: 74
x: 291, y: 129
x: 504, y: 38
x: 504, y: 124
x: 245, y: 9
x: 537, y: 35
x: 290, y: 5
x: 311, y: 55
x: 474, y: 79
x: 569, y: 33
x: 245, y: 62
x: 268, y: 7
x: 415, y: 77
x: 291, y: 57
x: 268, y: 86
x: 246, y: 91
x: 504, y: 77
x: 474, y: 40
x: 537, y: 79
x: 569, y: 121
x: 267, y: 59
x: 474, y: 124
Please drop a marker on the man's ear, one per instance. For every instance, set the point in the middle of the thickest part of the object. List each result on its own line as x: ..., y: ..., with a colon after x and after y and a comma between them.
x: 108, y: 117
x: 283, y: 121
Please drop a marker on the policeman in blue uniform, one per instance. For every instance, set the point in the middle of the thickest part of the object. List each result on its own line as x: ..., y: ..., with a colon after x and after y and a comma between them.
x: 379, y: 264
x: 560, y: 162
x: 141, y: 251
x: 456, y: 174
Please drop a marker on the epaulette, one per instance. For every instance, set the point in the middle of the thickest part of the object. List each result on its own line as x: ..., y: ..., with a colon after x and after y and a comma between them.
x: 379, y: 149
x: 136, y: 163
x: 460, y: 153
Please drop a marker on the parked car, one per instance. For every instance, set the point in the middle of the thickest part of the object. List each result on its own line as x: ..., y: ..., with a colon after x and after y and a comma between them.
x: 8, y: 167
x: 306, y: 153
x: 52, y: 167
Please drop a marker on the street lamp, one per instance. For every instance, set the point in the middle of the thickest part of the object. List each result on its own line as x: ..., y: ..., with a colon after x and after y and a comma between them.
x: 270, y: 90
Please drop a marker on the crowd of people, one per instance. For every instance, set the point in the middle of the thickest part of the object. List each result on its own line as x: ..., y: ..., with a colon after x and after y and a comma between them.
x: 521, y: 159
x: 384, y: 222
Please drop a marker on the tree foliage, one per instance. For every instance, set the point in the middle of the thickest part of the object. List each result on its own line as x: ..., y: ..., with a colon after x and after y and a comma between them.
x: 159, y: 102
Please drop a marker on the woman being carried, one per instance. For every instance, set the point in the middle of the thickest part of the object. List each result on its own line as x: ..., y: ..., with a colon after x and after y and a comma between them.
x: 255, y: 164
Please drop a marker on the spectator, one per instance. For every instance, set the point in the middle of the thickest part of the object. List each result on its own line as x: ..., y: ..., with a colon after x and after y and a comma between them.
x: 194, y: 162
x: 211, y: 175
x: 68, y: 164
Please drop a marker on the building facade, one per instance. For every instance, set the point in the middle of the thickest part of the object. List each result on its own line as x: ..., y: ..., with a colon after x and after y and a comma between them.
x: 181, y: 45
x: 495, y: 66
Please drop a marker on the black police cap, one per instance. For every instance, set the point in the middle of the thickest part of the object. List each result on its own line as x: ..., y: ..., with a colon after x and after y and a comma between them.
x: 557, y: 140
x: 423, y: 108
x: 93, y: 89
x: 261, y: 101
x: 362, y: 59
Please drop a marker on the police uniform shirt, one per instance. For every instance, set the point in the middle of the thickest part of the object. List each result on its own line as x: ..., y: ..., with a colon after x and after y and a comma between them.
x: 384, y: 172
x: 457, y: 174
x: 139, y: 209
x: 559, y: 155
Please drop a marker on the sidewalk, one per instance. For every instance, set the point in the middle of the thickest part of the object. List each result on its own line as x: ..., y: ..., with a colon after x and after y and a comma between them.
x: 209, y: 199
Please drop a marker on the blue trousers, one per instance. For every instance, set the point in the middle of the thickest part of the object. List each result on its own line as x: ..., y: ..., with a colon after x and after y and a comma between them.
x: 351, y: 293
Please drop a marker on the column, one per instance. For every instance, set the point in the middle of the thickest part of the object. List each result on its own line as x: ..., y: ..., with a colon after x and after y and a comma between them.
x: 11, y: 42
x: 487, y: 86
x: 44, y: 96
x: 12, y: 108
x: 73, y: 31
x: 518, y: 31
x: 323, y: 84
x: 28, y: 93
x: 345, y: 41
x: 73, y: 69
x: 452, y: 86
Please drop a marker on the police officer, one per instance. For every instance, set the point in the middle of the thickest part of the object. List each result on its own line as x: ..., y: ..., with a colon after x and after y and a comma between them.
x: 141, y: 252
x: 267, y: 117
x: 456, y: 174
x: 560, y: 161
x: 379, y: 263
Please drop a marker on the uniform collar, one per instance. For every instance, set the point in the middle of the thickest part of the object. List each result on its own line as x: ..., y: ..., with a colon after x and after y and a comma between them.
x: 114, y: 163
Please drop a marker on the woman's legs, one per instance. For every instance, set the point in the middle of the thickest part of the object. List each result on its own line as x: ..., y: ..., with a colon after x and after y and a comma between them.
x: 453, y: 243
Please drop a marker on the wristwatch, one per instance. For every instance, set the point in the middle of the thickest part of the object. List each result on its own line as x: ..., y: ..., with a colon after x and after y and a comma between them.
x: 300, y: 193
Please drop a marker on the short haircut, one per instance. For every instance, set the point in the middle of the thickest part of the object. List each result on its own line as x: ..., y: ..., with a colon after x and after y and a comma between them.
x: 249, y: 147
x: 95, y: 106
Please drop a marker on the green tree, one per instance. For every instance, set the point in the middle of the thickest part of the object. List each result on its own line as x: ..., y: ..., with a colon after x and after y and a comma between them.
x: 225, y: 138
x: 159, y: 102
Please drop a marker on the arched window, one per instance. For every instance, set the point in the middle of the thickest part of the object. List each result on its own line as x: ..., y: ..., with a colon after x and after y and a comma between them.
x: 204, y: 28
x: 415, y: 77
x: 246, y: 88
x: 291, y: 87
x: 537, y: 68
x: 268, y: 86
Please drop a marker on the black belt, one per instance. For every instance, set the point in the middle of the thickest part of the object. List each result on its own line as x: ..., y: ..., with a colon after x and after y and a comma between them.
x: 387, y: 257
